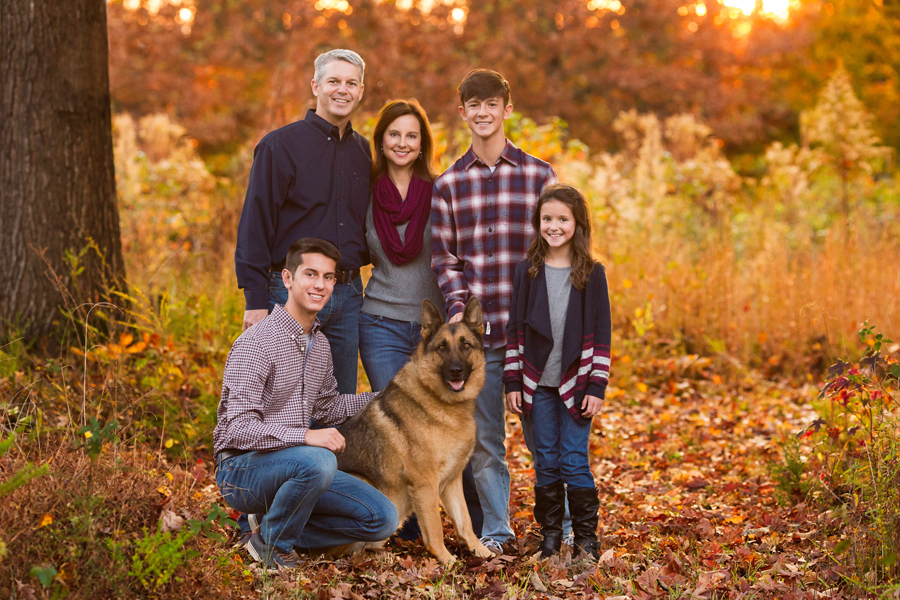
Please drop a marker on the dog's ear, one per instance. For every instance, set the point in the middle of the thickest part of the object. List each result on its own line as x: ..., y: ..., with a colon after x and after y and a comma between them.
x: 472, y: 316
x: 431, y: 319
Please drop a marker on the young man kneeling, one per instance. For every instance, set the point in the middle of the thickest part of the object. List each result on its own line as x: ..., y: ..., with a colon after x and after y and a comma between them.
x: 270, y: 464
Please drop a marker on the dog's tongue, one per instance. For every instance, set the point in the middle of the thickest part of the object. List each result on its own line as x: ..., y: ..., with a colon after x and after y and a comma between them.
x: 457, y: 385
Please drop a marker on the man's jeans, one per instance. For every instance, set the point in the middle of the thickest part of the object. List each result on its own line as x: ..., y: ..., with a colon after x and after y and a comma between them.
x: 307, y: 502
x: 340, y: 324
x: 559, y: 443
x: 489, y: 459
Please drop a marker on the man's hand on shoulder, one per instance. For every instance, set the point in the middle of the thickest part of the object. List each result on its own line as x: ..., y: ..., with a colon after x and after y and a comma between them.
x: 252, y: 317
x: 456, y: 318
x: 329, y: 438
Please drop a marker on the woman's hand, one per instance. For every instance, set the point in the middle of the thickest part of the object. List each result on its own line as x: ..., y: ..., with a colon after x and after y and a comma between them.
x: 514, y: 402
x: 591, y: 406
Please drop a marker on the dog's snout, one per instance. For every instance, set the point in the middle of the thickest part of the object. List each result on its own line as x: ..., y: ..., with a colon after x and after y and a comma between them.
x: 455, y: 372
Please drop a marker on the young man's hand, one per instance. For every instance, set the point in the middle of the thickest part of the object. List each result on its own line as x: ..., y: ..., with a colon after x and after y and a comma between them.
x: 591, y: 406
x: 514, y: 402
x: 456, y: 318
x: 325, y: 438
x: 252, y: 317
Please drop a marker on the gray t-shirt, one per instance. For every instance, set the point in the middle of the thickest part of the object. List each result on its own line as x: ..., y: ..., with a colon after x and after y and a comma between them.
x: 559, y: 285
x: 397, y: 291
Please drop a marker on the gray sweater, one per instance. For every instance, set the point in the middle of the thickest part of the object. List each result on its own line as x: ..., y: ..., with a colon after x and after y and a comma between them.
x: 397, y: 291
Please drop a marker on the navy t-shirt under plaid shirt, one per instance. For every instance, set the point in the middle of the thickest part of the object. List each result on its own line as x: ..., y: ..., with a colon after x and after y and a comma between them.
x: 481, y: 229
x: 274, y: 383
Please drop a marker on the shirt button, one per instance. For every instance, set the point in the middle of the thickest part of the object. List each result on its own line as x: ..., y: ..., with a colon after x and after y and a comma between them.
x: 342, y: 224
x: 329, y: 138
x: 491, y: 303
x: 490, y: 279
x: 490, y: 229
x: 490, y: 254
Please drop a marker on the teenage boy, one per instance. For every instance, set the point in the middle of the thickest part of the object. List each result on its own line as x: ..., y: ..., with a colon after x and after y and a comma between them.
x: 311, y: 178
x: 481, y: 215
x: 270, y: 464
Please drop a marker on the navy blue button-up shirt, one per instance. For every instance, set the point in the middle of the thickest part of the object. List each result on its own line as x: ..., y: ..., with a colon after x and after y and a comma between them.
x: 306, y: 181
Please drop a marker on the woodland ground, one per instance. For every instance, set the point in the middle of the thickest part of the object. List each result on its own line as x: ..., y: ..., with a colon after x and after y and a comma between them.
x: 688, y: 510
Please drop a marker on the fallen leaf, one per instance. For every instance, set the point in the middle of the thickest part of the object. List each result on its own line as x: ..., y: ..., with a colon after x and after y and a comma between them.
x: 46, y: 520
x: 169, y: 521
x: 536, y: 583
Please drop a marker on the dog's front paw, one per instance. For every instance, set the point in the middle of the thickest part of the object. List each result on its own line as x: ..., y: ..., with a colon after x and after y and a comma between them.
x: 481, y: 551
x: 446, y: 558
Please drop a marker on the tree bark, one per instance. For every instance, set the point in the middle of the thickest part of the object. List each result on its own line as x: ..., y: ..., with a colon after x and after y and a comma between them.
x: 57, y: 180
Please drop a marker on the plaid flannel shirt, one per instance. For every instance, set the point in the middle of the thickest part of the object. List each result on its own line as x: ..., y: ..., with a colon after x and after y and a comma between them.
x: 481, y: 228
x: 274, y: 383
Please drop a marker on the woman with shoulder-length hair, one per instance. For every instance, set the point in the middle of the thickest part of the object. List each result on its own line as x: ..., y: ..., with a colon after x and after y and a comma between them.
x: 398, y: 232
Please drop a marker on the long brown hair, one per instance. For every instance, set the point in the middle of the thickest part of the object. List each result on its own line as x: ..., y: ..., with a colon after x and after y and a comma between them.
x: 423, y: 167
x: 582, y: 255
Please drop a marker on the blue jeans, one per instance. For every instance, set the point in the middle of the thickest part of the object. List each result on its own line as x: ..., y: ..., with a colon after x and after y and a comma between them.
x: 340, y: 324
x: 307, y: 502
x: 559, y: 442
x: 385, y: 345
x: 489, y: 459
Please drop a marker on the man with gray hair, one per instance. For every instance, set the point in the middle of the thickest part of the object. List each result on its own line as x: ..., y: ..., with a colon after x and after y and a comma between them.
x: 311, y: 179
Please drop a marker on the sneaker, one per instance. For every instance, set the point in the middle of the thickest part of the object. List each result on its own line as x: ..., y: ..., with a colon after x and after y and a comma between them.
x: 254, y: 519
x: 492, y: 545
x: 270, y: 557
x: 243, y: 540
x: 569, y: 540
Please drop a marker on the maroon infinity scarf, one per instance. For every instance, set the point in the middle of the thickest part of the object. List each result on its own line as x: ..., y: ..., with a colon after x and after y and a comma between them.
x: 390, y: 210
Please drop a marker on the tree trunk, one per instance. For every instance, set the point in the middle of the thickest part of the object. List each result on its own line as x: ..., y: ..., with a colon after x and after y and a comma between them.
x: 57, y: 181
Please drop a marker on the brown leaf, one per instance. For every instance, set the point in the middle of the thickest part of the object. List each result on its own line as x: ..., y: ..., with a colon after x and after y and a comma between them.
x: 536, y: 583
x: 696, y: 483
x: 704, y: 528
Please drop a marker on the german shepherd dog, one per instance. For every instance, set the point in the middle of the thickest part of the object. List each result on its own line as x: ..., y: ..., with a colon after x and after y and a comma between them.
x: 413, y: 440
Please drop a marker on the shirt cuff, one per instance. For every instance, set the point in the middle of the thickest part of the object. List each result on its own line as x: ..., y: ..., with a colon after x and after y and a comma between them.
x: 456, y: 307
x: 513, y: 386
x: 257, y: 298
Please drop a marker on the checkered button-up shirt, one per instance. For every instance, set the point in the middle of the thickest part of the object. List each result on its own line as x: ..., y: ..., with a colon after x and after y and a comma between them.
x: 481, y: 228
x: 274, y: 383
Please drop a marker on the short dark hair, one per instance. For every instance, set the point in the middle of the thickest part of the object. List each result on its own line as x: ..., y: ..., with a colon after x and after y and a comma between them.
x: 309, y: 246
x: 482, y: 84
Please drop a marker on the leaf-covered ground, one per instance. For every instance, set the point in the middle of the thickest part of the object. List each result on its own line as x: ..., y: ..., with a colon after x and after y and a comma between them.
x: 687, y: 510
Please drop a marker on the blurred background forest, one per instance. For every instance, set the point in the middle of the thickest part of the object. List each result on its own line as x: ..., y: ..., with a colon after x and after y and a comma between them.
x: 740, y: 158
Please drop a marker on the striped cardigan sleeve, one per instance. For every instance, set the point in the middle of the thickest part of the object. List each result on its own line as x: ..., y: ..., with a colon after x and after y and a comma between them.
x: 515, y: 336
x: 602, y: 330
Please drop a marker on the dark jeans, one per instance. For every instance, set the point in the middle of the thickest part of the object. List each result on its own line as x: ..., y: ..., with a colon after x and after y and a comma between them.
x: 560, y: 443
x: 307, y: 502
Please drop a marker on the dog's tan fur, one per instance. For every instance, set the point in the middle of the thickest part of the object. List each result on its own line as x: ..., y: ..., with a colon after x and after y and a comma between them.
x: 414, y: 439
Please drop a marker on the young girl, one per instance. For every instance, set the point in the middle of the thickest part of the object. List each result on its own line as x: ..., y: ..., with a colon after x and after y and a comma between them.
x: 557, y: 362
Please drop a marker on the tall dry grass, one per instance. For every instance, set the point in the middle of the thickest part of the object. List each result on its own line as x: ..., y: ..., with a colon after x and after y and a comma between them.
x: 775, y: 270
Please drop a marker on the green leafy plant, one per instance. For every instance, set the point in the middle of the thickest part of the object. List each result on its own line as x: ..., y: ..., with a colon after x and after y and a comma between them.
x: 24, y: 474
x: 858, y: 451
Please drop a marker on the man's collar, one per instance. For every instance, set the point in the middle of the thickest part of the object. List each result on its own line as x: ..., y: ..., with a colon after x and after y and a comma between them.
x: 289, y: 323
x: 325, y: 127
x: 510, y: 154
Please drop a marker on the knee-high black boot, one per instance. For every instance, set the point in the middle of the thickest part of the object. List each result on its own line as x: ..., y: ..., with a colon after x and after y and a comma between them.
x: 583, y: 506
x: 548, y: 512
